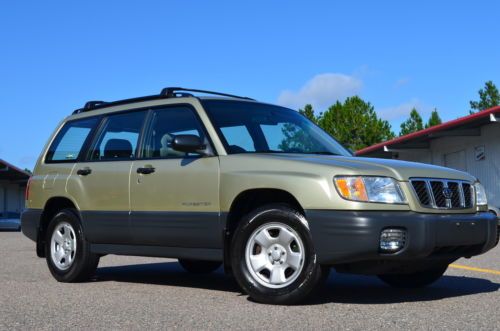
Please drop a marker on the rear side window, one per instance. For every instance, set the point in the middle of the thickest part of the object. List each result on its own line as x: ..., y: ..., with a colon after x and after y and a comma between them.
x: 69, y: 141
x: 118, y: 138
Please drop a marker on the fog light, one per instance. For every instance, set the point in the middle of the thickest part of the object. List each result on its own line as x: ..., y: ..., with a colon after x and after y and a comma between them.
x: 392, y: 240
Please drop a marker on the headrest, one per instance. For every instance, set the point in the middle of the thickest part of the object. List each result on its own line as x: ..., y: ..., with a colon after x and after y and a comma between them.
x: 118, y: 149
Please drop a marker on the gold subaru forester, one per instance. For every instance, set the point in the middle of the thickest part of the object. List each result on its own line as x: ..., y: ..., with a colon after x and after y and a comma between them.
x: 221, y: 179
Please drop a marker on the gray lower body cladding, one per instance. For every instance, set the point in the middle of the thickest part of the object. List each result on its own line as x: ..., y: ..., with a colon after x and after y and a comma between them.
x: 30, y: 223
x: 354, y: 236
x: 339, y: 236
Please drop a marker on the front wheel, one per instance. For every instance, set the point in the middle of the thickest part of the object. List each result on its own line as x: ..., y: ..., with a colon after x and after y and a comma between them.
x: 273, y: 257
x: 67, y: 252
x: 415, y: 280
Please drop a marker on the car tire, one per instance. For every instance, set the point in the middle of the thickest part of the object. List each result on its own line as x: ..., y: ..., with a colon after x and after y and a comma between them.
x: 67, y: 252
x: 415, y: 280
x: 199, y: 266
x: 261, y: 237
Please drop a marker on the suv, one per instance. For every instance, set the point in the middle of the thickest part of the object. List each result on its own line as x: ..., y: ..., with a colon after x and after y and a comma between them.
x: 223, y: 179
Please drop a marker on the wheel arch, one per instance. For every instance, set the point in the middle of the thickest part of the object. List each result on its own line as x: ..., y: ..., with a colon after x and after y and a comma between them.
x: 51, y: 208
x: 247, y: 201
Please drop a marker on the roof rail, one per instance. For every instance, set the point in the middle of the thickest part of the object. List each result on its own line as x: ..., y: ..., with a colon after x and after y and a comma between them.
x: 170, y: 92
x: 167, y: 92
x: 89, y: 105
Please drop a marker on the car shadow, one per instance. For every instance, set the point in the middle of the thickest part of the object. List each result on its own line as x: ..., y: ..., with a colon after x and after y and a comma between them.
x: 359, y: 289
x: 167, y: 273
x: 339, y: 288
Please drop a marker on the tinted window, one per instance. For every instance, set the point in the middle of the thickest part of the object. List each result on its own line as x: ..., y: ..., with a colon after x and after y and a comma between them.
x: 239, y: 137
x: 118, y: 138
x: 268, y: 129
x: 165, y: 125
x: 70, y: 140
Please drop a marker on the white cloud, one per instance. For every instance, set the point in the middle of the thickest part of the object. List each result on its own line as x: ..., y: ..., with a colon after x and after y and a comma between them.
x: 321, y: 91
x: 400, y: 111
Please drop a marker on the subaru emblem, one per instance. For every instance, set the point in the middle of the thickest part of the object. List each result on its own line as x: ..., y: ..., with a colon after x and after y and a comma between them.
x: 448, y: 193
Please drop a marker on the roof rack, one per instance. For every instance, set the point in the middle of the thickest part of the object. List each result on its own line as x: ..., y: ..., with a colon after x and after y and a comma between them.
x: 170, y: 92
x: 89, y: 105
x: 167, y: 92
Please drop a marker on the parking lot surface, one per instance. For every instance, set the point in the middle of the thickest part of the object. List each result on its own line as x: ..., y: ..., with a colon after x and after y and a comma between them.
x: 137, y: 293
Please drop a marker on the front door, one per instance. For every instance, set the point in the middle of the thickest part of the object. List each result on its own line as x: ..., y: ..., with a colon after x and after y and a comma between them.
x: 100, y: 183
x: 174, y: 195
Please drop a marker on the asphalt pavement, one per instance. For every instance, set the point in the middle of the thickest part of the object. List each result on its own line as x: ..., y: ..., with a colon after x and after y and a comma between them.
x: 132, y: 293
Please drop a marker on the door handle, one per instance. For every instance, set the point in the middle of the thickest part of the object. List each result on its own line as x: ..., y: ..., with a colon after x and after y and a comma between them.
x: 146, y: 170
x: 84, y: 172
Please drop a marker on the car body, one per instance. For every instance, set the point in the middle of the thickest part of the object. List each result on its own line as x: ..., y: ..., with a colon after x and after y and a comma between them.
x: 176, y: 175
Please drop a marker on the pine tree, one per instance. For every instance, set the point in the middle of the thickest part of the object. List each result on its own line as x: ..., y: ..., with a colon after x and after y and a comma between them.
x: 412, y: 124
x: 434, y: 119
x: 488, y: 97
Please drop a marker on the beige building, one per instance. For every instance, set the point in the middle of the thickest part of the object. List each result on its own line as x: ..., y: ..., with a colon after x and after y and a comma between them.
x: 12, y: 186
x: 470, y: 143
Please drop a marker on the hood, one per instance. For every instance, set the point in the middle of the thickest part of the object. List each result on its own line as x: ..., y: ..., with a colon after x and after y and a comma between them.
x: 344, y: 165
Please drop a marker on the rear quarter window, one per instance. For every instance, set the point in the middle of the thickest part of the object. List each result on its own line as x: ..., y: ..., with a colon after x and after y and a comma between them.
x: 70, y: 140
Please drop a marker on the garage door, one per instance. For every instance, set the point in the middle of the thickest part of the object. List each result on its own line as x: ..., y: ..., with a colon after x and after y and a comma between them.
x: 456, y: 160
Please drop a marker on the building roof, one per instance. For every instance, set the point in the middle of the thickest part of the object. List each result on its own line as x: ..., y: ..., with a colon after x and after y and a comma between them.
x: 11, y: 172
x: 463, y: 126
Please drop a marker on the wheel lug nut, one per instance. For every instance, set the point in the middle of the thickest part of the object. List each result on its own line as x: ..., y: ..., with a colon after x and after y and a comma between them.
x: 281, y: 262
x: 282, y: 253
x: 275, y: 248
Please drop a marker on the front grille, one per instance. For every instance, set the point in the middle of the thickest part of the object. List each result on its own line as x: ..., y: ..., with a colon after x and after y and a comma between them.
x: 456, y: 197
x: 443, y: 193
x: 437, y: 192
x: 467, y: 195
x: 420, y: 188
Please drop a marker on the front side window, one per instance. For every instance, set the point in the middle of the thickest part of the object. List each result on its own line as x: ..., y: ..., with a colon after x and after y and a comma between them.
x: 165, y: 125
x: 268, y: 129
x: 69, y: 141
x: 118, y: 138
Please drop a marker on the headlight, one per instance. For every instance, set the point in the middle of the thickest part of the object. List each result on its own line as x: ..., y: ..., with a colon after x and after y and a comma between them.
x: 481, y: 199
x: 369, y: 189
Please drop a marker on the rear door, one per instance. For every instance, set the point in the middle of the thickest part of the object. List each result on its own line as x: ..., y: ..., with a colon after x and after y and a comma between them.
x: 100, y: 183
x: 51, y: 175
x: 176, y: 202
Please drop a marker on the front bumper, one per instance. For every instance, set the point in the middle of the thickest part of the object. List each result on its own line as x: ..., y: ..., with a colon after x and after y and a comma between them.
x: 354, y: 236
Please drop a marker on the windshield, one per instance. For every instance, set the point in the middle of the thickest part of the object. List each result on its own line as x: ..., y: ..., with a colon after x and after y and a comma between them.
x: 248, y: 127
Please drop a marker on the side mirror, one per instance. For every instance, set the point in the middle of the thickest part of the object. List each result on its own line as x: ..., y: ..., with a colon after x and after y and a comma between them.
x: 188, y: 143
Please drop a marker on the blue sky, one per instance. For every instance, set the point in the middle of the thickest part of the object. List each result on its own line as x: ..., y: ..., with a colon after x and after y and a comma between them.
x: 54, y: 56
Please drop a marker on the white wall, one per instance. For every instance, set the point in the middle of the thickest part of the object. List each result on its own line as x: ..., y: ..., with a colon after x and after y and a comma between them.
x: 487, y: 170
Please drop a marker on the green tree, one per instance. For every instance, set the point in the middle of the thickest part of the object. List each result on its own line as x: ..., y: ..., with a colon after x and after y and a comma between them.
x: 412, y: 124
x: 488, y: 97
x: 308, y: 112
x: 296, y: 139
x: 434, y: 119
x: 355, y: 124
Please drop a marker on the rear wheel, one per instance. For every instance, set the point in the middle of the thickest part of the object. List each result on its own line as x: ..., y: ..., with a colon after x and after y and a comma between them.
x: 199, y: 266
x: 272, y: 256
x: 67, y: 252
x: 416, y: 279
